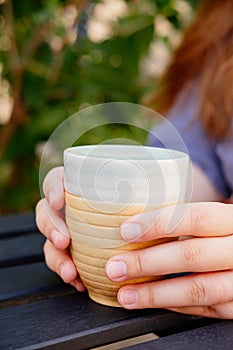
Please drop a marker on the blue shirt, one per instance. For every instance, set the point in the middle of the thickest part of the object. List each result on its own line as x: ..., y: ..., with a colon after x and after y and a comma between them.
x: 214, y: 157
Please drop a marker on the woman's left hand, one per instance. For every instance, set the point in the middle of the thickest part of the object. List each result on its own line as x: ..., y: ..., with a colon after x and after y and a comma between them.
x: 208, y: 291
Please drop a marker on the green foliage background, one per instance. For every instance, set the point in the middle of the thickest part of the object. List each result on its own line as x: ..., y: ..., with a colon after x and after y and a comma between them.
x: 49, y: 83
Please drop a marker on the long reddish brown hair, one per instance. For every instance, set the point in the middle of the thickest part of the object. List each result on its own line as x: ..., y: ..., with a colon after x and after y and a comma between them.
x: 206, y: 52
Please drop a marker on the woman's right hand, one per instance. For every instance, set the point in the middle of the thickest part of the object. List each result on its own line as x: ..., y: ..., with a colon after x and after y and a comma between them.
x: 50, y: 220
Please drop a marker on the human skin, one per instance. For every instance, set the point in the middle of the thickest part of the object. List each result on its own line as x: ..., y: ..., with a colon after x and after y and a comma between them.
x: 207, y: 292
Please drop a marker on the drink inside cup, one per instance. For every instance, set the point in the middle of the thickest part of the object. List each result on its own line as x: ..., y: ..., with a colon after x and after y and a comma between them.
x: 106, y: 184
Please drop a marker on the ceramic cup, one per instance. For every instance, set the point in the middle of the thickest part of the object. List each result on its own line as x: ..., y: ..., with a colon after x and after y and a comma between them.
x: 104, y: 185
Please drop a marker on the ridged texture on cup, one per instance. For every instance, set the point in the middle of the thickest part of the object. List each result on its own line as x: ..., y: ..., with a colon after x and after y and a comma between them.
x: 95, y: 237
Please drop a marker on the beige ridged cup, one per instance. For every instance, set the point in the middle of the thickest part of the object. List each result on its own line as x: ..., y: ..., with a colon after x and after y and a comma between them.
x: 96, y: 238
x: 94, y: 226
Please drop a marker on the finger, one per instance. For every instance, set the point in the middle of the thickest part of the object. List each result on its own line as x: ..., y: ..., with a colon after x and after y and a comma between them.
x: 194, y: 290
x: 52, y: 225
x: 196, y: 255
x: 224, y: 311
x: 62, y: 264
x: 53, y: 188
x: 197, y: 219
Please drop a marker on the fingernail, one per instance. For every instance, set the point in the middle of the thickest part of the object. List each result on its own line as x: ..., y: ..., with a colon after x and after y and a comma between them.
x: 54, y: 237
x: 51, y: 197
x: 128, y: 297
x: 131, y: 232
x: 116, y: 270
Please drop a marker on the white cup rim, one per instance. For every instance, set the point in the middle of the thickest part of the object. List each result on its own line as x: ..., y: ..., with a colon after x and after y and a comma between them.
x: 154, y: 153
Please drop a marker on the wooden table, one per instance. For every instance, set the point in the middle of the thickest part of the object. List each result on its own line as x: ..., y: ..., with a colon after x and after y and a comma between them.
x: 39, y: 311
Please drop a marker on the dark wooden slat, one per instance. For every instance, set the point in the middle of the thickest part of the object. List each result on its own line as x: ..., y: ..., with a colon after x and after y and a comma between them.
x: 217, y: 336
x: 21, y: 249
x: 26, y: 280
x: 75, y: 322
x: 19, y: 223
